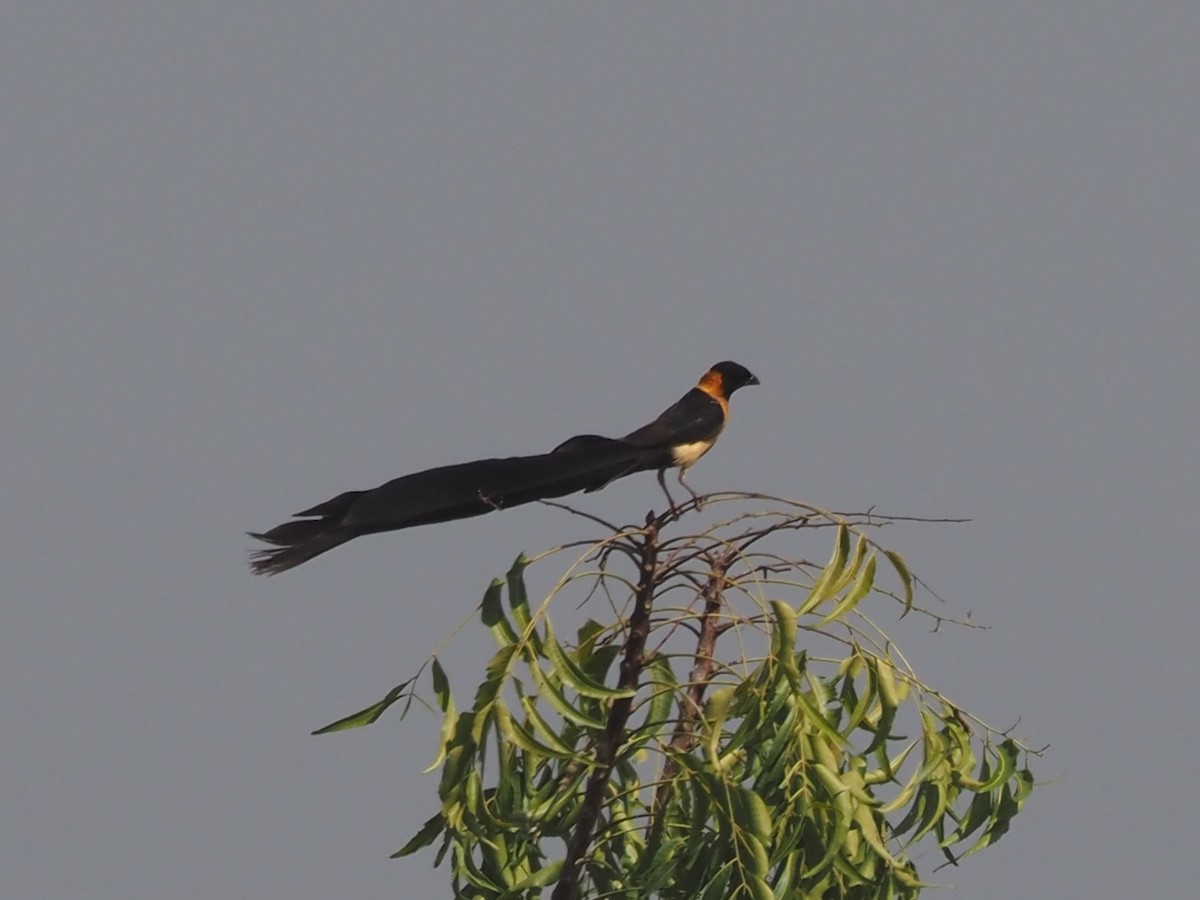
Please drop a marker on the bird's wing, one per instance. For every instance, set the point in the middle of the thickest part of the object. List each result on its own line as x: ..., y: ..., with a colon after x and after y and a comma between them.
x: 695, y: 417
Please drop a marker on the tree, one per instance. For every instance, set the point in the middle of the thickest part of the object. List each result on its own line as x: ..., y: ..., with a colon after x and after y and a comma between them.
x: 735, y: 726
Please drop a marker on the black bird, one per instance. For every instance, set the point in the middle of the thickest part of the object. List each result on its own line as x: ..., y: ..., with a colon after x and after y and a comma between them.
x: 586, y: 462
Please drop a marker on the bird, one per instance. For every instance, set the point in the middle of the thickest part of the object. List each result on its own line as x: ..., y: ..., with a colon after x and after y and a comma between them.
x: 683, y: 433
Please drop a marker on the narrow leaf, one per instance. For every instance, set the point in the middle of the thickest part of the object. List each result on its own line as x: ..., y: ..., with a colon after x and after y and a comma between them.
x: 441, y: 689
x: 368, y: 715
x: 862, y: 587
x: 429, y: 833
x: 572, y: 674
x: 518, y: 598
x: 491, y: 613
x: 832, y: 571
x: 906, y: 578
x: 550, y: 736
x: 783, y: 635
x: 852, y: 567
x: 551, y: 690
x: 543, y: 877
x: 866, y: 823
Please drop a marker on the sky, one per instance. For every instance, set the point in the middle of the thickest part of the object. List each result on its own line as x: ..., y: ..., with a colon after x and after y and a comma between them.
x: 255, y: 254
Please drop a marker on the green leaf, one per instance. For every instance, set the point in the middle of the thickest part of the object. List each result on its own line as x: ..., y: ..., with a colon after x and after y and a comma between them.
x: 429, y: 833
x: 783, y: 635
x: 937, y: 801
x: 886, y: 682
x: 751, y: 814
x: 857, y: 786
x: 566, y: 669
x: 820, y: 696
x: 658, y: 712
x: 758, y: 887
x: 549, y: 736
x: 840, y: 815
x: 543, y: 877
x: 459, y: 757
x: 856, y: 705
x: 889, y: 766
x: 516, y: 733
x: 482, y: 718
x: 817, y: 718
x: 862, y: 587
x: 906, y: 578
x: 978, y: 812
x: 865, y: 820
x: 1024, y: 787
x: 923, y: 808
x: 518, y: 598
x: 465, y: 867
x: 1000, y: 811
x: 589, y: 632
x: 1006, y: 756
x: 716, y: 708
x: 518, y: 602
x: 821, y: 591
x: 550, y: 689
x: 852, y: 566
x: 889, y: 701
x: 595, y: 662
x: 368, y: 715
x: 718, y: 887
x: 441, y: 689
x: 831, y: 778
x: 491, y: 613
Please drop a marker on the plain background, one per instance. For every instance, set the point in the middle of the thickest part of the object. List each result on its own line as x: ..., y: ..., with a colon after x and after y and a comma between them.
x: 254, y: 254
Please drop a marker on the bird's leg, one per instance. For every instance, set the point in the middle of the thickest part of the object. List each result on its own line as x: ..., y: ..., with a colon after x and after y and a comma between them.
x: 699, y: 500
x: 662, y: 483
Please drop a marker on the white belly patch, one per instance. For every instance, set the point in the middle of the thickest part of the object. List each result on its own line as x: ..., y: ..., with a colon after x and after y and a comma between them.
x: 686, y: 454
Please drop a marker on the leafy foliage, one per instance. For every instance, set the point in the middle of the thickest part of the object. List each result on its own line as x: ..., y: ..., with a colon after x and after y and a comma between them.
x: 808, y: 763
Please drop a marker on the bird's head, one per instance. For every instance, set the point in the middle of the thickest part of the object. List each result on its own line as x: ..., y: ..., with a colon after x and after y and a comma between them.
x: 726, y: 377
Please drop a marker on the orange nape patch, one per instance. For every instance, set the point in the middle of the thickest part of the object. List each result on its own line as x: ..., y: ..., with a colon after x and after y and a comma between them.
x: 713, y: 384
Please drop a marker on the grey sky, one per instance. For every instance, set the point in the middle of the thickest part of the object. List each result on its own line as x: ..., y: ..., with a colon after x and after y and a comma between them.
x: 255, y: 254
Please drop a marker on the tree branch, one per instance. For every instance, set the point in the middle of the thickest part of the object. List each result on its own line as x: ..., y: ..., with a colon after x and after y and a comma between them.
x: 618, y: 717
x: 683, y: 738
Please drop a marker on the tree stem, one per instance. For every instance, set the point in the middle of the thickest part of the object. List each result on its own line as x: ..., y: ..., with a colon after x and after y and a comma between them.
x: 632, y: 664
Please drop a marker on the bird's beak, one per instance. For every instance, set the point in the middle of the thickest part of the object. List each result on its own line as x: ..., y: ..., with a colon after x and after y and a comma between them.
x: 753, y: 380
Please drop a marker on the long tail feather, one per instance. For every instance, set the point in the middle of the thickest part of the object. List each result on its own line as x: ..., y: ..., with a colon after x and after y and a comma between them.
x: 298, y: 542
x: 585, y: 462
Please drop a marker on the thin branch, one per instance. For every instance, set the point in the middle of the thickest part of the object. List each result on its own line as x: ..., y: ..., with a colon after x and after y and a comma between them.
x: 579, y: 512
x: 684, y: 737
x: 618, y: 718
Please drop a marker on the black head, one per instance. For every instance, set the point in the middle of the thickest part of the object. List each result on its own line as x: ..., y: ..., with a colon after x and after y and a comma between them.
x: 733, y: 376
